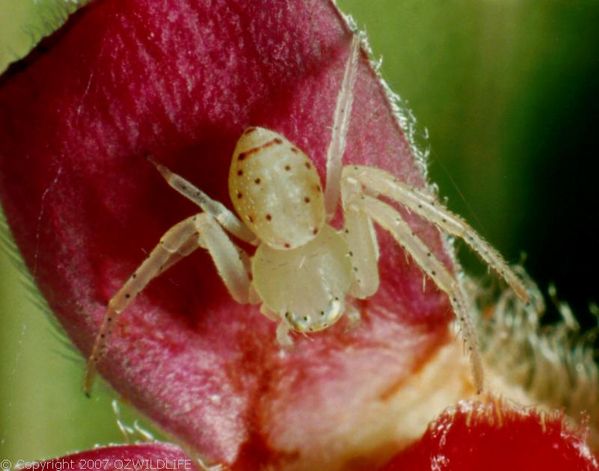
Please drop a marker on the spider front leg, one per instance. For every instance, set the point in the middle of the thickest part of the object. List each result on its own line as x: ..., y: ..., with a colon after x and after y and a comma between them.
x: 341, y: 120
x: 363, y: 248
x: 201, y: 230
x: 363, y: 208
x: 377, y: 182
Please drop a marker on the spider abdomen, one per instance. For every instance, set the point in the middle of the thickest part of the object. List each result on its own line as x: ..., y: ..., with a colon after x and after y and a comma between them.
x: 275, y: 189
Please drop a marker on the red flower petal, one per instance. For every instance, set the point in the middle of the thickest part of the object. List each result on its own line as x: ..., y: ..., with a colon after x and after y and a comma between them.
x: 149, y: 456
x: 496, y: 436
x: 181, y: 80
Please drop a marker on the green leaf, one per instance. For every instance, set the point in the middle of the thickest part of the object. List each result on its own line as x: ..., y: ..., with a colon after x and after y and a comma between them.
x: 23, y: 23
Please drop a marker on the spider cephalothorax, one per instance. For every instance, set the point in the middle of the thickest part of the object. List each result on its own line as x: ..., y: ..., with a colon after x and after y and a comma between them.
x: 304, y: 272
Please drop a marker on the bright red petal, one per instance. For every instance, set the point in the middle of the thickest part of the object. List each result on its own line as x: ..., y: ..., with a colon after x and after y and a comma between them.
x: 145, y: 457
x: 497, y: 437
x: 181, y: 79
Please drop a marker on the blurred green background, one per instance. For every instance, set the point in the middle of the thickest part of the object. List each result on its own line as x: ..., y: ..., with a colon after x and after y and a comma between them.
x: 509, y: 93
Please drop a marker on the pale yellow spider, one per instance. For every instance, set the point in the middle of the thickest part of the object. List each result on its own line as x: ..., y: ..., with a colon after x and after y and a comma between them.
x: 303, y: 270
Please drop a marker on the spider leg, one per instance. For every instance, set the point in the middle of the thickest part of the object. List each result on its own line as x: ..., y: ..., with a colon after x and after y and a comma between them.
x: 353, y: 315
x: 283, y: 337
x: 340, y: 127
x: 219, y: 211
x: 378, y: 182
x: 390, y: 219
x: 201, y: 230
x: 361, y: 240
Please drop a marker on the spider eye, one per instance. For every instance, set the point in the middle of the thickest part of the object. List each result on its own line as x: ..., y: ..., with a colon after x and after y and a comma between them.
x: 310, y: 282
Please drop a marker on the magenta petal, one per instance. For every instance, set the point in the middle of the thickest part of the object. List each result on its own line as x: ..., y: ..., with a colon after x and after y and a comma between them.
x: 181, y: 79
x: 143, y: 457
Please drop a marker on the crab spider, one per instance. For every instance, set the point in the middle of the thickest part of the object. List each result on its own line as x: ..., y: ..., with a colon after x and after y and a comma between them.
x: 304, y: 271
